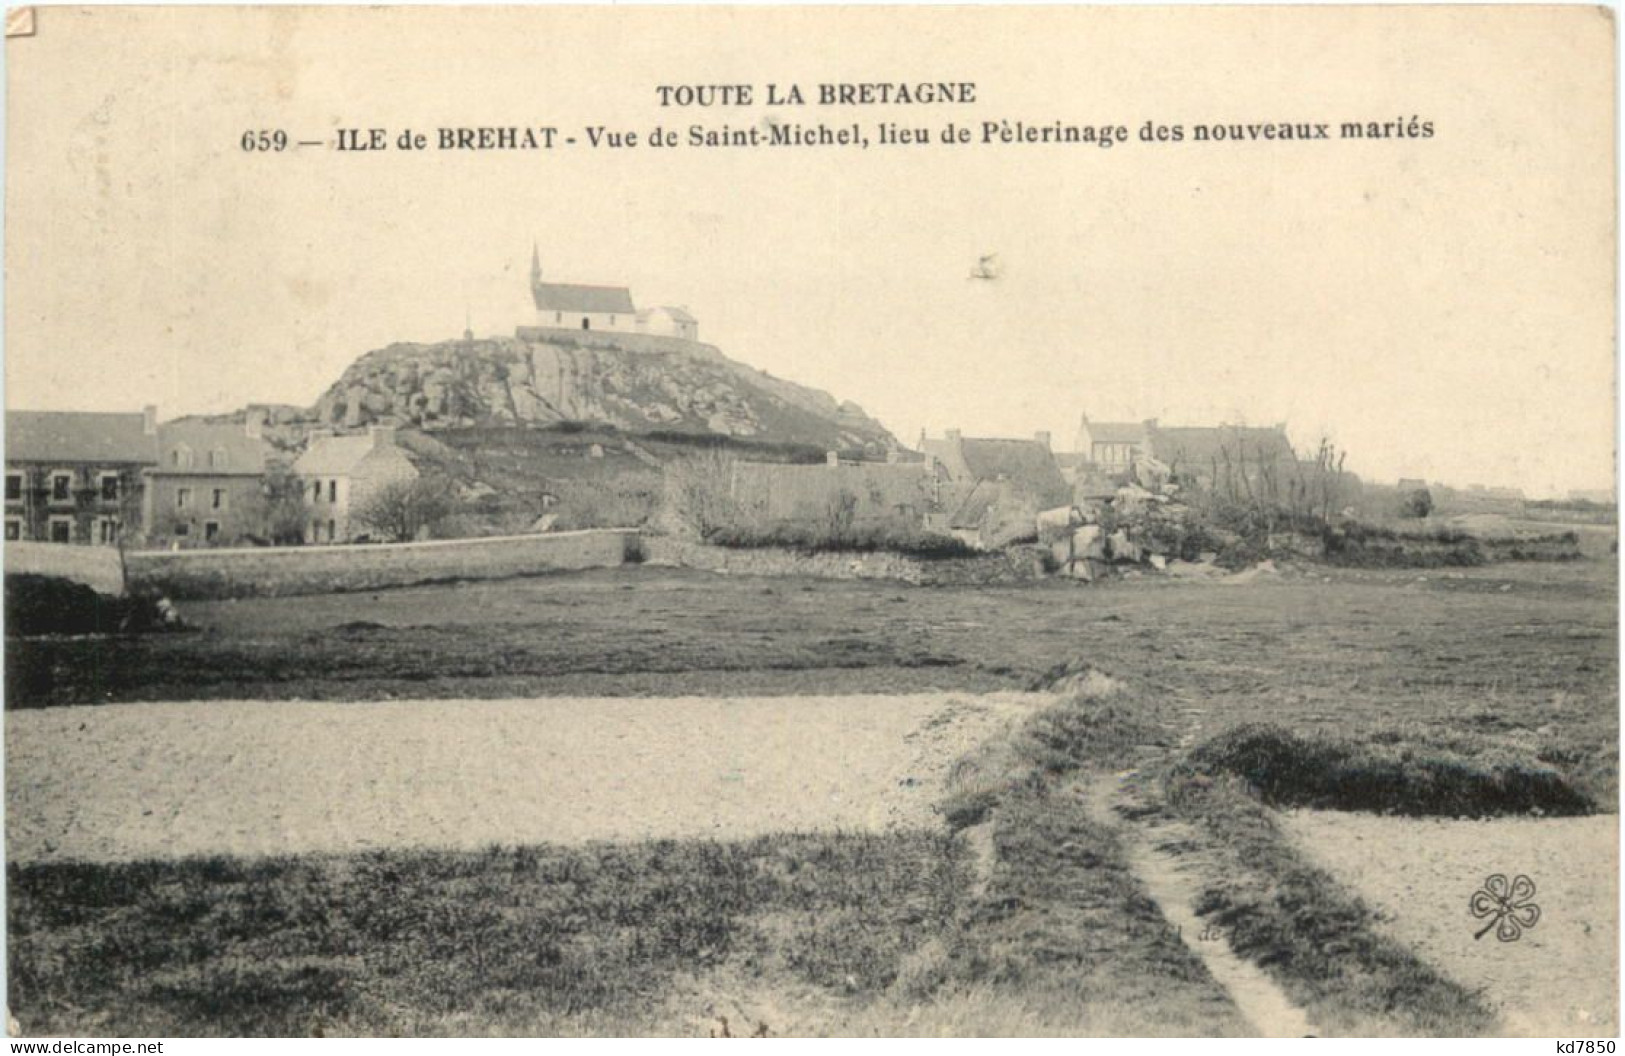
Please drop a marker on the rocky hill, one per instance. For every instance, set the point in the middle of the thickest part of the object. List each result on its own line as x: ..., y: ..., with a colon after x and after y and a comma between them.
x: 632, y: 382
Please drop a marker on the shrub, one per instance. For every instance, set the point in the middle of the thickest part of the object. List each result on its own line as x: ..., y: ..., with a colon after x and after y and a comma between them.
x: 627, y: 500
x: 1417, y: 503
x: 53, y: 605
x: 862, y: 538
x: 1384, y: 775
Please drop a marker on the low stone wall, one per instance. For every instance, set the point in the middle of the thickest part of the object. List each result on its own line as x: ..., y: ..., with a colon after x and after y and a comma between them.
x: 615, y: 339
x: 97, y: 567
x: 1013, y: 566
x: 272, y: 571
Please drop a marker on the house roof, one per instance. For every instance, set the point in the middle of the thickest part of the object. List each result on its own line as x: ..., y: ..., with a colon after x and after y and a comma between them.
x: 678, y: 314
x: 564, y: 297
x: 338, y: 456
x: 1117, y: 432
x: 244, y: 454
x: 1208, y: 444
x: 78, y: 436
x: 1027, y: 463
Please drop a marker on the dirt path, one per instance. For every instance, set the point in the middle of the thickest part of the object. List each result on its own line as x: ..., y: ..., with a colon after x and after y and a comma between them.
x: 1162, y: 852
x: 122, y: 782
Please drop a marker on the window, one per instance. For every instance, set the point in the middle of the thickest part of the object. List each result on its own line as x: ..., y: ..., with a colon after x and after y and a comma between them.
x: 332, y: 491
x: 106, y: 531
x: 109, y: 487
x: 182, y: 530
x: 211, y: 530
x: 61, y: 529
x: 181, y: 457
x: 558, y: 317
x: 217, y: 500
x: 332, y: 533
x: 14, y: 487
x: 14, y: 528
x: 315, y: 531
x: 183, y: 498
x: 218, y: 458
x: 315, y: 491
x: 61, y: 487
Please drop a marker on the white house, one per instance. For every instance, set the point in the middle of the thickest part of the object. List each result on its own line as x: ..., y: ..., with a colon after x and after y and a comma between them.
x: 341, y: 473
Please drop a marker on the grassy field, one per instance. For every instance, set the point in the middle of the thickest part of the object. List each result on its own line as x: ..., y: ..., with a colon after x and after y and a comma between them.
x: 1511, y: 651
x: 1046, y: 931
x: 1027, y: 921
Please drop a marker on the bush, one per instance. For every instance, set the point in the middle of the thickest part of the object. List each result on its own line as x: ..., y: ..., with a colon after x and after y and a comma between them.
x: 1417, y: 504
x: 53, y: 605
x: 627, y: 500
x: 1392, y: 775
x: 861, y: 538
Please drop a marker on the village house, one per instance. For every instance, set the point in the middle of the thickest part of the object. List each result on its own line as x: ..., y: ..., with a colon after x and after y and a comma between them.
x: 1197, y: 453
x: 340, y: 474
x: 207, y: 488
x: 76, y: 476
x: 1112, y: 447
x: 572, y: 306
x: 989, y: 490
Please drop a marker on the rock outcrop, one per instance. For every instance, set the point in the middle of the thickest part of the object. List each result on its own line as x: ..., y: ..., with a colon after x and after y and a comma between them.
x: 548, y: 376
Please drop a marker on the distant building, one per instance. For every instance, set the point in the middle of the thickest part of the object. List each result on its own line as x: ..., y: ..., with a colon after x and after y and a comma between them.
x: 77, y: 476
x: 207, y: 488
x: 1204, y: 454
x: 988, y: 490
x: 1112, y: 447
x: 1197, y: 453
x: 573, y: 306
x: 341, y: 474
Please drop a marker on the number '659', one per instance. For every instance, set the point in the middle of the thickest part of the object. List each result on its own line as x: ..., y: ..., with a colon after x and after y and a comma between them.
x: 265, y: 140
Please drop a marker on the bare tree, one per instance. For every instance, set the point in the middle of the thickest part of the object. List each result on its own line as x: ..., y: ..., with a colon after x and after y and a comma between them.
x: 400, y: 510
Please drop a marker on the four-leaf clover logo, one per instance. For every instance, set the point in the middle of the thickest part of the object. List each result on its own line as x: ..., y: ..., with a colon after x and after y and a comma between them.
x: 1507, y: 905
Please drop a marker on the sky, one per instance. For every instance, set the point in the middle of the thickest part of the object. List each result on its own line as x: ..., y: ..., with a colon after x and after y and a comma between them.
x: 1440, y: 308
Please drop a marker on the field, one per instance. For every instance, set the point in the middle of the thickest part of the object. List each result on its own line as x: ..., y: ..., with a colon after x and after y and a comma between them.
x: 1000, y: 887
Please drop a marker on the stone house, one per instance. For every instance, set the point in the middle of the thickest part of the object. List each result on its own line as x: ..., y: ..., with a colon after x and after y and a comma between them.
x: 1112, y: 447
x: 1200, y: 454
x: 77, y: 476
x: 669, y: 321
x: 988, y: 490
x: 207, y: 488
x: 340, y: 474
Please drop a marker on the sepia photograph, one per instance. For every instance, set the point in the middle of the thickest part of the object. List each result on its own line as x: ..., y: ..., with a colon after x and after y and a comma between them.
x: 811, y: 521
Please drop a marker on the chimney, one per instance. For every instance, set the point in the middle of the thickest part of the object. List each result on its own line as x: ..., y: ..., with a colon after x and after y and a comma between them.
x: 382, y: 436
x: 149, y: 419
x: 832, y: 458
x: 254, y: 423
x: 1042, y: 436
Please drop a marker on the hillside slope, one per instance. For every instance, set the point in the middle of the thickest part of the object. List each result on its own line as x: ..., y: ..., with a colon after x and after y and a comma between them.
x: 634, y: 384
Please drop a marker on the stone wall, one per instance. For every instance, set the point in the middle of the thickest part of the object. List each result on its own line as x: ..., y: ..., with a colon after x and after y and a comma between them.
x: 1014, y: 566
x: 272, y: 571
x: 615, y: 339
x: 97, y: 567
